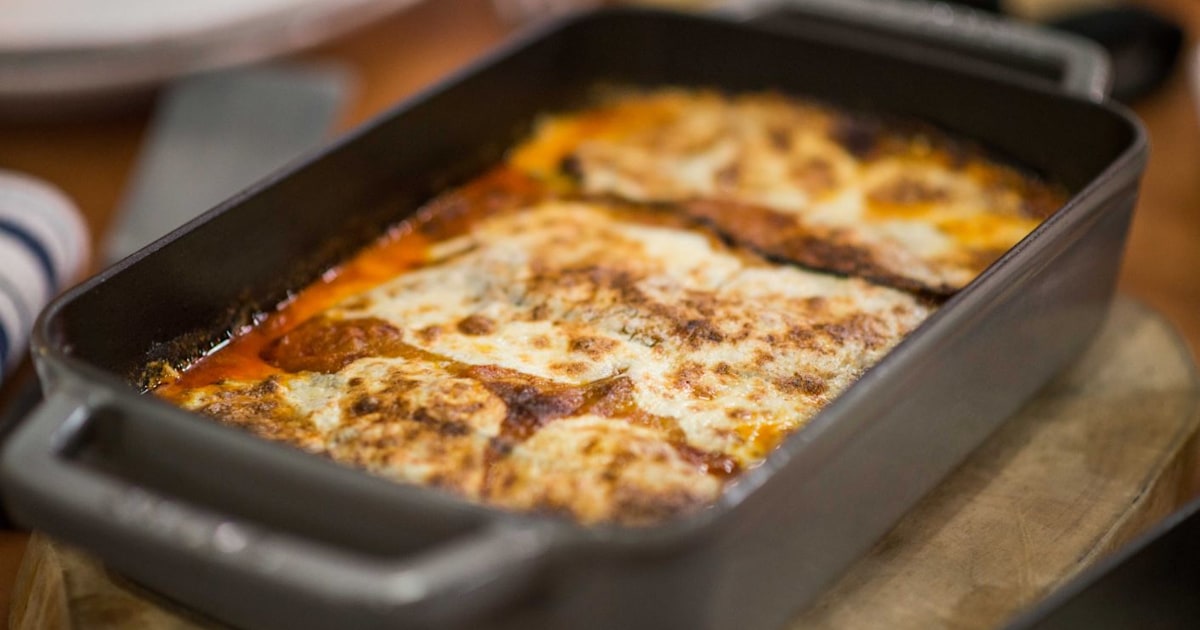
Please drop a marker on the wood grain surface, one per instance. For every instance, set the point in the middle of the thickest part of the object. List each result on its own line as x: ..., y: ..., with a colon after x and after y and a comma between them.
x: 1104, y: 451
x: 91, y: 159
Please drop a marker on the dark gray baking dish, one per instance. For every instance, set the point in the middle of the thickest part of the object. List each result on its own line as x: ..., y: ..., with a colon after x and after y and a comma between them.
x: 258, y: 534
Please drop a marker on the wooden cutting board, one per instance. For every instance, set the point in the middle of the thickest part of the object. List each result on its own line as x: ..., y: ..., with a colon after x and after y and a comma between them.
x: 1104, y: 451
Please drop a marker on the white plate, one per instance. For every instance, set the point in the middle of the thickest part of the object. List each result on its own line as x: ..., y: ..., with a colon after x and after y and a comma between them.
x: 56, y: 50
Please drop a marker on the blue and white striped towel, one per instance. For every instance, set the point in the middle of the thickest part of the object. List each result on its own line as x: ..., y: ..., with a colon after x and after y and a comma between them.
x: 44, y: 248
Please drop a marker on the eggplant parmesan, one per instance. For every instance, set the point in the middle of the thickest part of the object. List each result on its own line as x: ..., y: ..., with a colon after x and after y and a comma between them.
x: 610, y: 326
x: 847, y: 193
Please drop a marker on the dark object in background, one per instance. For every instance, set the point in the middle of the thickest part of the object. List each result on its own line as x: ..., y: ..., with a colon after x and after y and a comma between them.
x: 1151, y: 584
x: 1144, y: 45
x: 991, y: 6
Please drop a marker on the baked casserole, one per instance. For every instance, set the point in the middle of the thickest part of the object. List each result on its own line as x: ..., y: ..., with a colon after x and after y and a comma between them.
x: 638, y: 304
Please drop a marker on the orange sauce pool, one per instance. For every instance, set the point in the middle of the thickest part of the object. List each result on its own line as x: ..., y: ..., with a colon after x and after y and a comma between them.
x: 402, y: 248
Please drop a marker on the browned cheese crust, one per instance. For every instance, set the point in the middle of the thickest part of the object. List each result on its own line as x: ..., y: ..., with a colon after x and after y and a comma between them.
x: 833, y: 191
x: 603, y: 363
x: 613, y: 327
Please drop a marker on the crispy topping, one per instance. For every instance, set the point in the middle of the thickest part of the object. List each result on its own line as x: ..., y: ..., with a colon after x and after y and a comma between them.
x: 773, y: 235
x: 882, y: 200
x: 645, y: 342
x: 644, y: 303
x: 531, y: 402
x: 907, y: 191
x: 857, y: 134
x: 806, y: 384
x: 594, y: 347
x: 476, y: 325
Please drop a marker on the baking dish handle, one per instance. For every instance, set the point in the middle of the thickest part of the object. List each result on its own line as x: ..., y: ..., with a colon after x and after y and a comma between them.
x: 1080, y: 66
x: 453, y: 580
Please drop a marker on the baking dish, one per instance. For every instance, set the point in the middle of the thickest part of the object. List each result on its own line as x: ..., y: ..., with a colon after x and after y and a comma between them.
x: 260, y: 535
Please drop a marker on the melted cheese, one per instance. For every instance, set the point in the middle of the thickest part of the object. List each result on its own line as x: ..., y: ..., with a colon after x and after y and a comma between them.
x: 543, y: 340
x: 565, y: 341
x: 906, y: 209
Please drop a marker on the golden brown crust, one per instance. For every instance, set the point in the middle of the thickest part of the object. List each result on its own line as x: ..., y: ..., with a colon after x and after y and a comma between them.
x: 777, y: 236
x: 900, y: 204
x: 261, y: 409
x: 498, y: 372
x: 573, y: 352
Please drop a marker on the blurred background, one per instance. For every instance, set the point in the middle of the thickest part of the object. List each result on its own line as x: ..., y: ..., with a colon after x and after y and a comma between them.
x: 80, y: 81
x: 98, y: 100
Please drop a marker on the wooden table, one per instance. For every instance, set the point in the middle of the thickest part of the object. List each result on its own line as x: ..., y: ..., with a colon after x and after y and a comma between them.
x: 91, y: 160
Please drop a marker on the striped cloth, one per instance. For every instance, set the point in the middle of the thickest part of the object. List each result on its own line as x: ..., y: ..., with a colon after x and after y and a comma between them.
x: 44, y: 248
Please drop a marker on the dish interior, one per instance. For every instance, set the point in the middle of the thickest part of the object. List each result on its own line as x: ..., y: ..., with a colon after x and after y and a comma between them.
x: 640, y: 302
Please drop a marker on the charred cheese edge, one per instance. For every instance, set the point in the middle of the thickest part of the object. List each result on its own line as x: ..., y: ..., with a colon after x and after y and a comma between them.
x: 610, y: 327
x: 799, y: 181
